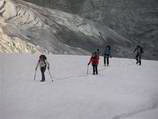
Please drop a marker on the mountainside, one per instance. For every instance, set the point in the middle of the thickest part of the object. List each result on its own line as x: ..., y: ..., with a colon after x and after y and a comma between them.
x: 15, y: 44
x: 61, y: 33
x: 136, y: 20
x: 10, y: 43
x: 68, y: 33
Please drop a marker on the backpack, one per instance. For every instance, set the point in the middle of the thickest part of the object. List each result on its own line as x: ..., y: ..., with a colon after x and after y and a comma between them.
x: 140, y: 50
x: 42, y: 57
x: 95, y: 59
x: 42, y: 60
x: 107, y: 50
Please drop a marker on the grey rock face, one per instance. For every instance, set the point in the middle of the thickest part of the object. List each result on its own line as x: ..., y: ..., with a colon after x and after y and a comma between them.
x: 10, y: 42
x: 136, y: 20
x: 60, y: 32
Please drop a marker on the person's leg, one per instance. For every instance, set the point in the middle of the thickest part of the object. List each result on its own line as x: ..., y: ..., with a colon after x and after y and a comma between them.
x: 104, y: 60
x: 43, y: 69
x: 108, y: 60
x: 93, y: 69
x: 96, y: 68
x: 137, y: 60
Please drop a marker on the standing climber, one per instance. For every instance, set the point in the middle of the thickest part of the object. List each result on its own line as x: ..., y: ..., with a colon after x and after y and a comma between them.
x: 43, y: 63
x: 139, y: 51
x: 107, y: 54
x: 94, y: 60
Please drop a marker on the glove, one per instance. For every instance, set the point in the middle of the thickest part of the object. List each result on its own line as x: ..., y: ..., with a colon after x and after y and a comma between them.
x: 48, y: 68
x: 36, y: 69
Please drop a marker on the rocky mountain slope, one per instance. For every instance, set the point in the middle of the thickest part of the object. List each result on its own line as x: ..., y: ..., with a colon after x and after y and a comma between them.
x: 60, y: 32
x: 10, y: 43
x: 90, y: 24
x: 136, y: 20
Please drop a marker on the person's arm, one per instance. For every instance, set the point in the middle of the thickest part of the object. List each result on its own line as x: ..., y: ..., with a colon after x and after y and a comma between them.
x: 135, y: 50
x: 142, y: 50
x: 90, y: 61
x: 110, y: 53
x: 47, y: 64
x: 104, y: 52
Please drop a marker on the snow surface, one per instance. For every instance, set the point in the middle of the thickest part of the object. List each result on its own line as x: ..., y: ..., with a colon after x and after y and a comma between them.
x: 122, y: 91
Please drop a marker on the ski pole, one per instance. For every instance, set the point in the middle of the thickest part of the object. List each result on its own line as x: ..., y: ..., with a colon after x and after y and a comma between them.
x: 50, y: 75
x: 35, y: 75
x: 87, y: 69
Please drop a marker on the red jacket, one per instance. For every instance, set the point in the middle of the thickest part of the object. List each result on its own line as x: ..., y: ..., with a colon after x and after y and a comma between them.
x: 94, y: 60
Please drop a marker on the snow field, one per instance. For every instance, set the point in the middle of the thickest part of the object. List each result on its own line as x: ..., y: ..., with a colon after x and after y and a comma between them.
x: 122, y: 91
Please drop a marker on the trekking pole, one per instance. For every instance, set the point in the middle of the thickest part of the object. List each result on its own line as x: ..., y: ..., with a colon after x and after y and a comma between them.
x: 50, y: 75
x: 35, y: 75
x: 87, y: 69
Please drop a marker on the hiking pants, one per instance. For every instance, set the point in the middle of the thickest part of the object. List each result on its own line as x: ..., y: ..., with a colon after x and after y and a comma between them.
x: 95, y: 69
x: 43, y: 69
x: 138, y: 59
x: 106, y: 60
